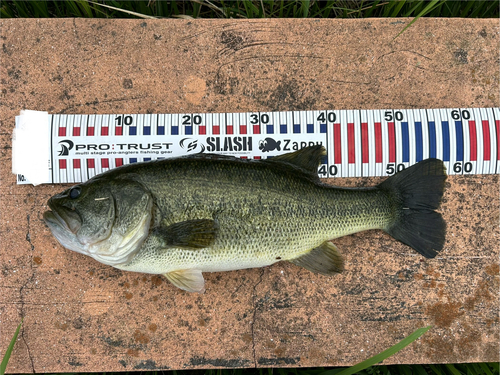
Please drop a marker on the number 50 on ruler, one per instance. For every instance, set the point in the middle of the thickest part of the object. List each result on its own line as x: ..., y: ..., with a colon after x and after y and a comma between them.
x: 382, y: 142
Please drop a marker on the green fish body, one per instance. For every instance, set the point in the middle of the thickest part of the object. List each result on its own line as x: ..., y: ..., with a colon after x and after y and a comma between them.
x: 207, y: 213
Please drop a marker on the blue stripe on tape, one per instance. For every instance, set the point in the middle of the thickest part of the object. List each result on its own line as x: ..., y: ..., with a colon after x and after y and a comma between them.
x: 296, y: 128
x: 432, y: 139
x: 419, y: 143
x: 161, y: 130
x: 175, y: 130
x: 310, y: 128
x: 147, y: 130
x: 189, y: 130
x: 446, y: 140
x: 132, y: 130
x: 406, y: 142
x: 270, y: 129
x: 322, y: 128
x: 460, y: 140
x: 283, y: 129
x: 133, y: 160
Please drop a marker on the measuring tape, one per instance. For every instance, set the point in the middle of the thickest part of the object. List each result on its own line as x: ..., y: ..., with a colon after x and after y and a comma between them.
x: 359, y: 143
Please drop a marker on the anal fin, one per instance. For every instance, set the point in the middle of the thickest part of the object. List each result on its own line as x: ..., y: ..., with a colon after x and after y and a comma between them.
x: 188, y: 280
x: 324, y: 259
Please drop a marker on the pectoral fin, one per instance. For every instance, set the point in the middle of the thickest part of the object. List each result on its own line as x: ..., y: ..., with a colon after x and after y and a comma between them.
x: 325, y: 259
x: 188, y: 280
x: 193, y: 234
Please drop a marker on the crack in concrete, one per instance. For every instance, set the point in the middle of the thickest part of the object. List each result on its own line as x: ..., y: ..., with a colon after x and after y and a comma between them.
x: 253, y: 316
x: 21, y: 296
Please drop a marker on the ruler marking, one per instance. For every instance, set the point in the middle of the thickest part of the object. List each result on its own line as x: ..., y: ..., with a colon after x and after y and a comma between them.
x: 497, y: 123
x: 338, y: 143
x: 405, y: 141
x: 419, y: 141
x: 392, y: 142
x: 473, y: 140
x: 350, y: 143
x: 432, y: 139
x: 460, y: 141
x: 359, y: 142
x: 364, y: 140
x: 378, y: 142
x: 446, y: 140
x: 486, y: 140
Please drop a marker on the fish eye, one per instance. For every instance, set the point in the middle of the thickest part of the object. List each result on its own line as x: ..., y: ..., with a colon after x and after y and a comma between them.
x: 75, y: 192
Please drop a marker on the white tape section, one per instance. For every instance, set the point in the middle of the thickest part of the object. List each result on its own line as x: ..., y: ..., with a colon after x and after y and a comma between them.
x: 31, y: 148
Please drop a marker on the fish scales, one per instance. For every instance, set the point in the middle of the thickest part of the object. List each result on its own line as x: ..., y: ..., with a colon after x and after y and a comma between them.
x: 181, y: 217
x: 260, y: 219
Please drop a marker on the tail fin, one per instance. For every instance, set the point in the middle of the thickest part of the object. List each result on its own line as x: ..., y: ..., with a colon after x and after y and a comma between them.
x: 416, y: 193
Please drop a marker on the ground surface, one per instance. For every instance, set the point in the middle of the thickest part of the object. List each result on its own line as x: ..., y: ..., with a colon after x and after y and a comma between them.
x: 83, y: 316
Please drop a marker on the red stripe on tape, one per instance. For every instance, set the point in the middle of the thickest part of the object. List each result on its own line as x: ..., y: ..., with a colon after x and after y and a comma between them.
x: 486, y: 140
x: 364, y: 141
x: 473, y: 140
x: 497, y: 123
x: 350, y: 143
x: 378, y: 142
x: 337, y: 144
x: 392, y: 142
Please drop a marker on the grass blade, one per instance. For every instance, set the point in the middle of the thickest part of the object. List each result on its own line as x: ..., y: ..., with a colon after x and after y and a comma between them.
x: 381, y: 356
x: 140, y: 15
x: 433, y: 4
x: 453, y: 370
x: 8, y: 352
x: 436, y: 369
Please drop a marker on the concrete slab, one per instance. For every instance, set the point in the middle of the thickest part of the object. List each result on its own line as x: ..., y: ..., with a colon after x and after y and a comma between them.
x: 83, y: 316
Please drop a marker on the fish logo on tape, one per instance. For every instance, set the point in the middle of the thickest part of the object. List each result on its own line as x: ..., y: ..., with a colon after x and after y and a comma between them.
x: 359, y: 143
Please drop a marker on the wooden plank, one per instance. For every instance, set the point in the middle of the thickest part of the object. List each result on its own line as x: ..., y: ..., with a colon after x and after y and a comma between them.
x: 83, y: 316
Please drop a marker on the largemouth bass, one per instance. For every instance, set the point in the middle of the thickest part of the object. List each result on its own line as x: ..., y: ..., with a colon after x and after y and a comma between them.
x: 183, y: 216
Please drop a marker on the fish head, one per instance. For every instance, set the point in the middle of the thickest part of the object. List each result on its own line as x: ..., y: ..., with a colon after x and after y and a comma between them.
x: 107, y: 219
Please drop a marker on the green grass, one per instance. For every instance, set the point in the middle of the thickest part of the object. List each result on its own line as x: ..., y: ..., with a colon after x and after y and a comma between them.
x: 273, y: 9
x: 249, y: 9
x: 8, y: 351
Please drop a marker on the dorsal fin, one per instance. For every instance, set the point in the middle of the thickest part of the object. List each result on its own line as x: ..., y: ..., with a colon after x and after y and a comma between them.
x: 308, y: 158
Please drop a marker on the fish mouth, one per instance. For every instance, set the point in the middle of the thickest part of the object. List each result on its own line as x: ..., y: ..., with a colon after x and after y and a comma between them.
x: 62, y: 217
x: 64, y: 230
